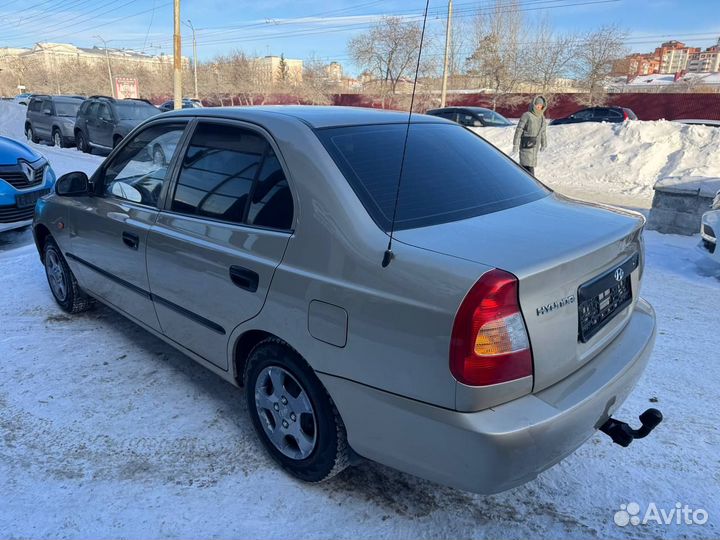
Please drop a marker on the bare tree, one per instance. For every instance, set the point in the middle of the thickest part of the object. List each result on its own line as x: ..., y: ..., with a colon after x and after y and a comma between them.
x: 499, y: 58
x: 387, y: 52
x: 596, y: 54
x: 317, y: 87
x: 549, y: 57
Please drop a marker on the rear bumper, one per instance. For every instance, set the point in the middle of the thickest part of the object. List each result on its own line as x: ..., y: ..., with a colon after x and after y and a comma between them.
x: 499, y: 448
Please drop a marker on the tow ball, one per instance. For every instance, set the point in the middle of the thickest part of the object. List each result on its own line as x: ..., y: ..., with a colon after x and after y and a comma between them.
x: 622, y: 434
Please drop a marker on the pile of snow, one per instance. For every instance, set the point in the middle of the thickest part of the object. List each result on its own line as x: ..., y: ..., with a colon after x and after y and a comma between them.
x: 63, y: 160
x: 620, y: 162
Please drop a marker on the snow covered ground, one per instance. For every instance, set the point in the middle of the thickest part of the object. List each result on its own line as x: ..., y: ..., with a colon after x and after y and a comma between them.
x: 105, y: 431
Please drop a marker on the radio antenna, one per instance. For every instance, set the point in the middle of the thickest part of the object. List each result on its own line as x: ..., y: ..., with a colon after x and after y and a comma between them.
x: 388, y: 256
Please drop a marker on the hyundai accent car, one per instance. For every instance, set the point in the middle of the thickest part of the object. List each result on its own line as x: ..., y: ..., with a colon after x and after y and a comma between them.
x: 25, y: 176
x: 500, y: 330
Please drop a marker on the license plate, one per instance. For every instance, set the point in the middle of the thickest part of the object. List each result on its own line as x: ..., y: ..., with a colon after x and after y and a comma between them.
x: 29, y: 199
x: 602, y: 298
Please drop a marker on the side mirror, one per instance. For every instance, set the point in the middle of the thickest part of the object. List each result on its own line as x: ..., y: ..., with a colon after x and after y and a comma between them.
x: 72, y: 184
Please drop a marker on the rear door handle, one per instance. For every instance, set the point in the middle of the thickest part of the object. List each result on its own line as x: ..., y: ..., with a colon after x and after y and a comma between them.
x: 244, y: 278
x: 131, y: 240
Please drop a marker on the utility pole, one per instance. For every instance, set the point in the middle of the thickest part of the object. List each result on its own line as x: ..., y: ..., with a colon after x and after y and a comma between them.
x: 107, y: 57
x: 447, y: 54
x: 190, y: 24
x: 177, y: 58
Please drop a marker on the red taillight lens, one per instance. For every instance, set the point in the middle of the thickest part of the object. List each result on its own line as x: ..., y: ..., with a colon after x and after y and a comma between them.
x: 625, y: 114
x: 490, y: 343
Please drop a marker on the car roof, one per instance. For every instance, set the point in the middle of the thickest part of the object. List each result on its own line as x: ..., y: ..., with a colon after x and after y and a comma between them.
x: 313, y: 116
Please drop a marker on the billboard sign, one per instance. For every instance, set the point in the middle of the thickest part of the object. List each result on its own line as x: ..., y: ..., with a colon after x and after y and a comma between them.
x: 126, y: 87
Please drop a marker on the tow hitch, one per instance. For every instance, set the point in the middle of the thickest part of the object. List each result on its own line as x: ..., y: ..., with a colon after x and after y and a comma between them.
x: 622, y: 434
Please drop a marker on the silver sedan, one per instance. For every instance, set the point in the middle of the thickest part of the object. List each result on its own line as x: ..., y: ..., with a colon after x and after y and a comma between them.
x: 498, y: 331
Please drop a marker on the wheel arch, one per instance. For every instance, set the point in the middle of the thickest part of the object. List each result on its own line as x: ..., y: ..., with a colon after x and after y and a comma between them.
x: 242, y: 348
x: 41, y: 234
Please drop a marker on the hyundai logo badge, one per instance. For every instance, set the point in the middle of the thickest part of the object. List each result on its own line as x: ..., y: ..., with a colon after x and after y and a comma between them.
x: 619, y: 274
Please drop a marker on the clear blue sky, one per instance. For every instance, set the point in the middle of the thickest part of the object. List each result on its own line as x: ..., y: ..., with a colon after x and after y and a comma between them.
x: 300, y: 29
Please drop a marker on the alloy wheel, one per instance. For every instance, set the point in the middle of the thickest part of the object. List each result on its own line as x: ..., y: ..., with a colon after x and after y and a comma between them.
x: 286, y: 412
x: 57, y: 139
x: 56, y: 275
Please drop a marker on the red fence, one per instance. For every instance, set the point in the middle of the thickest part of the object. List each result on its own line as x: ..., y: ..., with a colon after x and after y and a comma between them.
x: 646, y: 106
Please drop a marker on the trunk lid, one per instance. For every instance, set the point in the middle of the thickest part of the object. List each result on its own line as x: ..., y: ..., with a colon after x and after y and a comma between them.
x: 559, y: 249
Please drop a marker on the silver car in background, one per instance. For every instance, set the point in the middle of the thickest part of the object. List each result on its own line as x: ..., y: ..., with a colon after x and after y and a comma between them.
x: 506, y: 330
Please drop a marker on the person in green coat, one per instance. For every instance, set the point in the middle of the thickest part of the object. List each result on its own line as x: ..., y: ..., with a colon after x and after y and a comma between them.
x: 530, y: 134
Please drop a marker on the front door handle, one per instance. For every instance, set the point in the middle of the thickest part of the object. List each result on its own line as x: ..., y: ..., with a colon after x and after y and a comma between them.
x: 131, y: 240
x: 244, y: 278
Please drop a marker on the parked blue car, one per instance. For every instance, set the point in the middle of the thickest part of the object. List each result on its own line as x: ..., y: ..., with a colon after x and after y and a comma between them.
x: 25, y: 176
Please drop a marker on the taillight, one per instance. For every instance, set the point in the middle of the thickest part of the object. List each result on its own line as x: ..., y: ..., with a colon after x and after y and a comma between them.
x: 625, y: 115
x: 490, y: 343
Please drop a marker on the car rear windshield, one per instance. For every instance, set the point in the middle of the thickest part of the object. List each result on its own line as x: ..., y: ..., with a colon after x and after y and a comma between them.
x: 66, y: 108
x: 449, y: 173
x: 135, y: 110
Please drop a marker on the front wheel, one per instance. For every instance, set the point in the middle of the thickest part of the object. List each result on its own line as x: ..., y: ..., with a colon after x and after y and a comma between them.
x: 62, y: 282
x: 30, y: 134
x: 293, y: 414
x: 82, y: 144
x: 57, y: 139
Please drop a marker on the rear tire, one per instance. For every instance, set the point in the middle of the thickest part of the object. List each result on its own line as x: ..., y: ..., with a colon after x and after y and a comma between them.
x: 62, y: 282
x: 293, y: 414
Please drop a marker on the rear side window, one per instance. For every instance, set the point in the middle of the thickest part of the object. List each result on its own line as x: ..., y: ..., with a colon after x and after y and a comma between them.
x: 449, y: 173
x: 232, y: 174
x: 35, y: 105
x: 271, y: 202
x: 218, y: 172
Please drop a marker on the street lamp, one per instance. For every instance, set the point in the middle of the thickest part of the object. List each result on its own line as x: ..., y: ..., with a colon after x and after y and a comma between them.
x: 107, y: 57
x: 190, y: 25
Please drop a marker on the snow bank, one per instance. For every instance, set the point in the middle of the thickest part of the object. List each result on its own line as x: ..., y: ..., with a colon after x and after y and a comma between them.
x: 620, y: 162
x: 63, y: 160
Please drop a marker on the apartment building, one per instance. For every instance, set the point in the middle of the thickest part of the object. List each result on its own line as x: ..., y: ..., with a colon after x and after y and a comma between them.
x: 53, y: 55
x: 707, y: 61
x: 270, y: 70
x: 674, y: 56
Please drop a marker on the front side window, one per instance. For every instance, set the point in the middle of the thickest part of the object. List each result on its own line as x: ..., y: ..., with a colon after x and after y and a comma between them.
x: 104, y: 112
x: 449, y: 173
x: 138, y: 171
